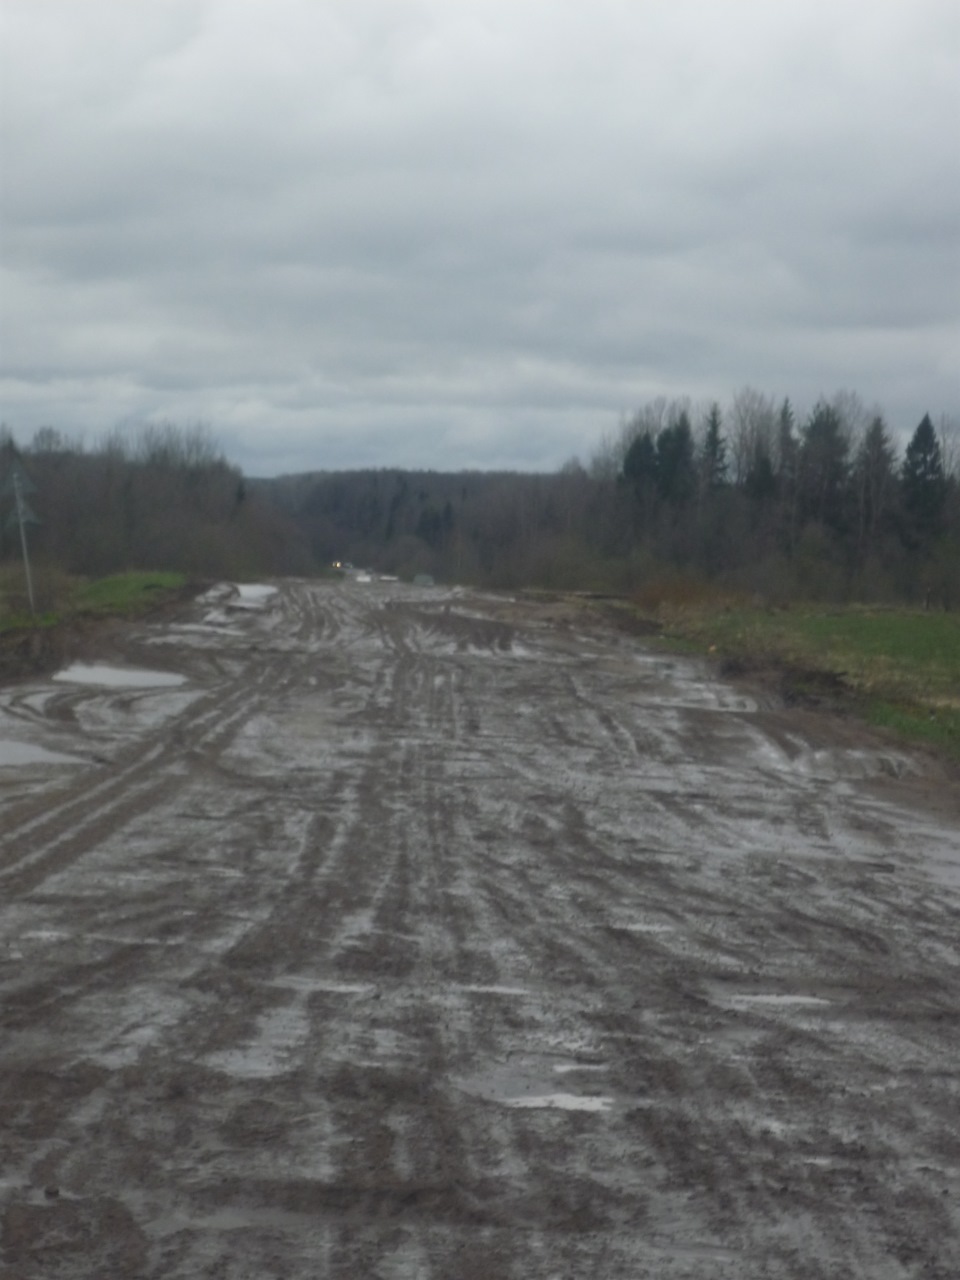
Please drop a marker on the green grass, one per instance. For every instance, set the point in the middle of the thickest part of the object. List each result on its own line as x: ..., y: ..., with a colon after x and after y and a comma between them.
x: 60, y: 597
x: 125, y: 592
x: 937, y: 726
x: 20, y: 621
x: 899, y: 668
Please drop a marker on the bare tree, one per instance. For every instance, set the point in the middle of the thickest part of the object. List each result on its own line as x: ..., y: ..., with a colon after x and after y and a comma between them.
x: 948, y: 431
x: 50, y: 440
x: 853, y: 415
x: 752, y: 432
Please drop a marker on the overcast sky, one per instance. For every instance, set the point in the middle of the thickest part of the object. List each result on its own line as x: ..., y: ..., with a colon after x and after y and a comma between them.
x: 471, y: 233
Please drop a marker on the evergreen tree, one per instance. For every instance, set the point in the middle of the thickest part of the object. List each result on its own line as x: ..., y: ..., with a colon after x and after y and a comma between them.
x: 761, y: 482
x: 874, y: 481
x: 676, y: 473
x: 640, y: 462
x: 713, y: 455
x: 823, y: 467
x: 640, y: 475
x: 923, y: 486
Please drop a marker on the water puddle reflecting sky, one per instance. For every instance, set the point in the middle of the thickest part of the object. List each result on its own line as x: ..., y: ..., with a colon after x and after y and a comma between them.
x: 25, y: 753
x: 529, y: 1084
x: 100, y: 673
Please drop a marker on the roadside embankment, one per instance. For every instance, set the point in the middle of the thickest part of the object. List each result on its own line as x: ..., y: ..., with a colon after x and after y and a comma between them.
x: 78, y: 609
x: 896, y: 668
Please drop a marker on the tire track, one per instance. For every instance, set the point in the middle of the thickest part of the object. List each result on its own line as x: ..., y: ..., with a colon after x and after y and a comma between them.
x: 45, y: 835
x: 412, y: 873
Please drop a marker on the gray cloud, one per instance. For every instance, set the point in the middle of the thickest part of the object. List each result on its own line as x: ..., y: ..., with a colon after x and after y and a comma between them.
x: 388, y: 231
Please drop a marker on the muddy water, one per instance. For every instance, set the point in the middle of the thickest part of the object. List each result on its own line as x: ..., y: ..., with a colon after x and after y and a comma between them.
x: 401, y: 933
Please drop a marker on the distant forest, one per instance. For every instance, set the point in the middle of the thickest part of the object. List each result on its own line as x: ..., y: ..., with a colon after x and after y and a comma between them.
x: 164, y: 498
x: 744, y: 497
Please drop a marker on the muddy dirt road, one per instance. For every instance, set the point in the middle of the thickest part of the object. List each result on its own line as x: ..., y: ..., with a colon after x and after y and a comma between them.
x: 371, y: 932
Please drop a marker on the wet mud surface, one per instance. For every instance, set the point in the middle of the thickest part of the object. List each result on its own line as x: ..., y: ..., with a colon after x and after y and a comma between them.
x: 425, y: 934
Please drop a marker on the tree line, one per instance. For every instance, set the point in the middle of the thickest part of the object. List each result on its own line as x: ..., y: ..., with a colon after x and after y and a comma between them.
x: 827, y: 506
x: 161, y: 497
x: 746, y: 496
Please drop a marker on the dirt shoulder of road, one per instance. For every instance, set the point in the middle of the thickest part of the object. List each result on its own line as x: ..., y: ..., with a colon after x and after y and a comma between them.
x: 819, y: 693
x: 27, y: 652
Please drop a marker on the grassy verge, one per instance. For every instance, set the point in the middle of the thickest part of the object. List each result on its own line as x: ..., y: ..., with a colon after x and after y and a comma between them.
x: 126, y: 593
x: 61, y: 598
x: 898, y: 668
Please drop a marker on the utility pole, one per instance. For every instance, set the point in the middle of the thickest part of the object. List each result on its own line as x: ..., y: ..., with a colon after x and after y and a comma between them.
x: 19, y: 485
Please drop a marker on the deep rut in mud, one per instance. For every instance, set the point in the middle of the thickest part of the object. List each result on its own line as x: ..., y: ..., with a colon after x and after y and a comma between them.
x: 419, y: 933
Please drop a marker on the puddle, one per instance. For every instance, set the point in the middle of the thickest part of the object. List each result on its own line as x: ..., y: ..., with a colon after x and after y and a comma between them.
x: 492, y: 989
x: 13, y: 754
x: 569, y: 1068
x: 297, y: 982
x: 561, y: 1102
x: 218, y: 593
x: 198, y: 629
x: 251, y: 595
x: 769, y: 999
x: 643, y: 926
x: 118, y: 677
x: 526, y: 1084
x: 230, y: 1219
x: 833, y: 763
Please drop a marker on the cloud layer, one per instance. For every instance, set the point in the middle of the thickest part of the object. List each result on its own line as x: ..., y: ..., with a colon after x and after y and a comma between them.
x: 442, y: 233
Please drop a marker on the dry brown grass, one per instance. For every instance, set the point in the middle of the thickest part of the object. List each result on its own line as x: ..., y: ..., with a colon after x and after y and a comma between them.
x: 673, y: 594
